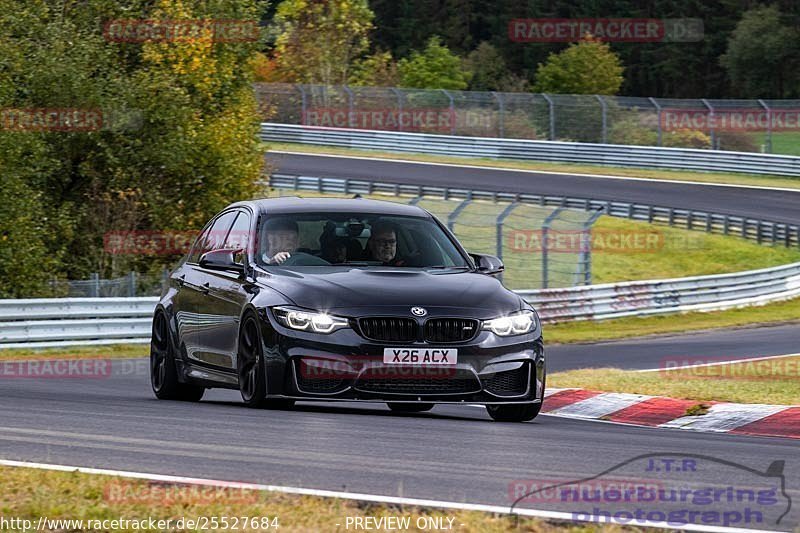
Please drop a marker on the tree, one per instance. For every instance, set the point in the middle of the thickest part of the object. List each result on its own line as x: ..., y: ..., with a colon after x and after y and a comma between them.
x: 433, y: 68
x: 319, y: 41
x: 588, y: 67
x: 376, y: 70
x: 763, y: 55
x: 178, y: 136
x: 490, y: 72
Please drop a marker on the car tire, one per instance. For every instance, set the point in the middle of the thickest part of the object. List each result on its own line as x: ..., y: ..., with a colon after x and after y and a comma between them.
x: 514, y: 413
x: 250, y: 364
x: 410, y: 407
x: 163, y: 372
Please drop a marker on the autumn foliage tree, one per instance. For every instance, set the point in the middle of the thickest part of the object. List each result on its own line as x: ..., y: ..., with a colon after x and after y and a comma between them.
x: 587, y: 67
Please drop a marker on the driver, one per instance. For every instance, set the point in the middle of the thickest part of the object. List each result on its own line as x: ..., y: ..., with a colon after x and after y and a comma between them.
x: 282, y: 240
x: 382, y: 244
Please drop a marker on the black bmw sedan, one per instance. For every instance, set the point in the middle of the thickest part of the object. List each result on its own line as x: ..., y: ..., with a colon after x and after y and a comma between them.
x: 294, y: 299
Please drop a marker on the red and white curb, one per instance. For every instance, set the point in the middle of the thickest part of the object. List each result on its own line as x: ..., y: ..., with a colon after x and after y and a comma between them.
x: 658, y: 411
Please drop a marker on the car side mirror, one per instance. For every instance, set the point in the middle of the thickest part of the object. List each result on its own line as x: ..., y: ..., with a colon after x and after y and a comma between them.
x: 488, y: 264
x: 223, y: 259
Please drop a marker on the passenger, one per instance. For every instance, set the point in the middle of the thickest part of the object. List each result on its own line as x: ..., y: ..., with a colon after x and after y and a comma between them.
x: 283, y: 238
x: 334, y: 250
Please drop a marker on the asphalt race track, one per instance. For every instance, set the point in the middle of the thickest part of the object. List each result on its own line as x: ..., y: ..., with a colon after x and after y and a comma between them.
x: 453, y: 453
x: 774, y: 205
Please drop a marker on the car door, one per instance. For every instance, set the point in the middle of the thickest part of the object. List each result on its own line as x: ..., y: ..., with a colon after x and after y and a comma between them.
x: 203, y: 320
x: 187, y: 301
x: 227, y: 294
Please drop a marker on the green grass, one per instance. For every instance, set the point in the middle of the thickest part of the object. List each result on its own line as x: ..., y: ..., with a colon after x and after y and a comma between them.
x: 774, y: 381
x: 701, y: 177
x: 30, y: 494
x: 621, y: 328
x: 111, y: 351
x: 680, y: 253
x: 783, y: 142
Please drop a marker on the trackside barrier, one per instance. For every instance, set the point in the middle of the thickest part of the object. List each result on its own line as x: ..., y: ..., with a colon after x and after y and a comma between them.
x: 83, y: 321
x: 761, y: 231
x: 520, y: 149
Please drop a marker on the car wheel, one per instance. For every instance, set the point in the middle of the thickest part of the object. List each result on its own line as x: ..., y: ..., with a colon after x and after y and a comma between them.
x: 250, y: 363
x: 163, y: 373
x: 410, y: 407
x: 514, y: 413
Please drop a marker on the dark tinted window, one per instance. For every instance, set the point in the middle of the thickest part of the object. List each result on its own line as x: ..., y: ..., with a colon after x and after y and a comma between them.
x: 239, y: 235
x: 214, y: 237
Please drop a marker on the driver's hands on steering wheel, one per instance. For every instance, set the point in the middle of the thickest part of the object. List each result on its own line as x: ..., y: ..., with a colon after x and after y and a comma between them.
x: 280, y: 257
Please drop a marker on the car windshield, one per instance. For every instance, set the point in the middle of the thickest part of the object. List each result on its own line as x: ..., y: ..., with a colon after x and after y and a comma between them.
x: 355, y: 239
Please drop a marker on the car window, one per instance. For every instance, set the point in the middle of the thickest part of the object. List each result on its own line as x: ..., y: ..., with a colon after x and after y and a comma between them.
x: 362, y: 239
x: 214, y: 237
x: 239, y: 235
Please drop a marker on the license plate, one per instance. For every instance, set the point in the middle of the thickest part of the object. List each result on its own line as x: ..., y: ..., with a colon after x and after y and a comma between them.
x: 420, y: 356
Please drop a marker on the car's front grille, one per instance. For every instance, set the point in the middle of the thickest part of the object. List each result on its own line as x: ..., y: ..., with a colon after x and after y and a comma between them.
x: 389, y: 329
x: 509, y: 382
x: 401, y: 329
x: 450, y: 329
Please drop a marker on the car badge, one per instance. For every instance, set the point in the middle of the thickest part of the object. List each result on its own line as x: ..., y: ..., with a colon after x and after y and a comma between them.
x: 419, y: 311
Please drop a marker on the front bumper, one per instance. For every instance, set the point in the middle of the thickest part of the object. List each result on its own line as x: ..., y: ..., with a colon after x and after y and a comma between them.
x: 344, y: 366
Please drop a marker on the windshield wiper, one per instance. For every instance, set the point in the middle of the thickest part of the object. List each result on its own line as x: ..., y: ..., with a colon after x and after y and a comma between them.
x: 359, y: 263
x: 439, y: 267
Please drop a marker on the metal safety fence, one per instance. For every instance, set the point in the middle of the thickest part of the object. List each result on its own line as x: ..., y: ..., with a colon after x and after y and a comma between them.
x: 769, y: 126
x: 526, y: 150
x: 88, y: 321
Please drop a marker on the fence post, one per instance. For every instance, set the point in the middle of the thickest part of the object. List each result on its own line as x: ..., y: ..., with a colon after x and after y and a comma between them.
x: 350, y: 104
x: 711, y: 130
x: 451, y: 218
x: 94, y: 286
x: 501, y: 119
x: 604, y: 107
x: 586, y: 248
x: 304, y: 104
x: 399, y: 108
x: 768, y: 137
x: 501, y: 218
x: 658, y: 112
x: 132, y: 284
x: 546, y: 246
x: 549, y: 100
x: 452, y: 112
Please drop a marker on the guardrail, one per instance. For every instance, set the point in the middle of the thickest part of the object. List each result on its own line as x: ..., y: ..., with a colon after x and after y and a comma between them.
x: 761, y: 231
x: 564, y: 152
x: 83, y: 321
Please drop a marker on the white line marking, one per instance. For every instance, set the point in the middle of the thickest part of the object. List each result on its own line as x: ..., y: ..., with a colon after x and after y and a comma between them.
x: 718, y: 363
x: 600, y: 405
x: 499, y: 509
x: 529, y: 171
x: 724, y: 417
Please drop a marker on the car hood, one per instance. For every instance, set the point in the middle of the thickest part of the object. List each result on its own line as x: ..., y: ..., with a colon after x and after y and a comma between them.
x: 357, y: 291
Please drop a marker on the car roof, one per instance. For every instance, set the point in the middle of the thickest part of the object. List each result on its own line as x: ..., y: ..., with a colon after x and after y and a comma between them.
x: 294, y: 204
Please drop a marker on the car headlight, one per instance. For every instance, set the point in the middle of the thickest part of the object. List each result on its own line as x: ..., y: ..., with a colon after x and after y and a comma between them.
x: 309, y: 320
x: 514, y: 324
